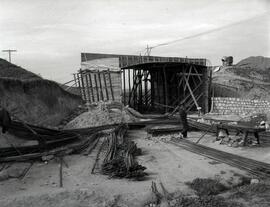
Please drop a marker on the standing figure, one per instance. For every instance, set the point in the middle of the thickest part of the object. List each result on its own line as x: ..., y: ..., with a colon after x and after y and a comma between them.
x: 5, y: 119
x: 183, y: 118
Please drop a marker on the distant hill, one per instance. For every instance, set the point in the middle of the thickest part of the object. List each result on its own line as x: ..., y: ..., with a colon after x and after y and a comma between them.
x: 257, y: 62
x: 9, y: 70
x: 250, y: 78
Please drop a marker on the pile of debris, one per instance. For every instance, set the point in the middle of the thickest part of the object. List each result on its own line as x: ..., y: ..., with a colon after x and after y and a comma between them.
x: 235, y: 140
x: 166, y: 137
x: 78, y: 111
x: 103, y: 113
x: 164, y: 198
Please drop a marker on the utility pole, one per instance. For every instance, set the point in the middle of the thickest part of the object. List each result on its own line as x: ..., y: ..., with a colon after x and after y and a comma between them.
x: 148, y: 50
x: 9, y: 53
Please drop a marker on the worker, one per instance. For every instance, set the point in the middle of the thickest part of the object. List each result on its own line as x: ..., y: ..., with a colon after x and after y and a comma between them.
x: 5, y: 119
x: 183, y: 118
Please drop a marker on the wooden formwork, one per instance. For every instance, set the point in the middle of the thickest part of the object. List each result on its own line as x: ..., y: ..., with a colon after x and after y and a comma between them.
x: 95, y: 85
x: 162, y: 86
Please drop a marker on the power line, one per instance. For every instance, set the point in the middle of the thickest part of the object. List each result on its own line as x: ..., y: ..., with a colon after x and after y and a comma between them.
x: 203, y: 33
x: 9, y: 53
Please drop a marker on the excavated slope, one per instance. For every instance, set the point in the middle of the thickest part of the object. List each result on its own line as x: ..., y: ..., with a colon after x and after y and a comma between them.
x: 250, y: 78
x: 30, y: 98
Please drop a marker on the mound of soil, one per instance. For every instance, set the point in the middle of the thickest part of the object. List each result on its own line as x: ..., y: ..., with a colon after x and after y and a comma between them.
x: 32, y: 99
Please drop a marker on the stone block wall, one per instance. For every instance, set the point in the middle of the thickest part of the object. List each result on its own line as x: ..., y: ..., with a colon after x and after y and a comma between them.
x: 230, y: 105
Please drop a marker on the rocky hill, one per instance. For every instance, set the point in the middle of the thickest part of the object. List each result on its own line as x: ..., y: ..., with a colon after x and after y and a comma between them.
x: 30, y: 98
x: 250, y: 78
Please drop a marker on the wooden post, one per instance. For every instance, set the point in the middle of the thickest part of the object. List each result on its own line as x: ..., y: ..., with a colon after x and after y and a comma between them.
x: 75, y: 80
x: 188, y: 76
x: 135, y: 97
x: 96, y: 84
x: 210, y: 91
x: 134, y: 85
x: 158, y: 85
x: 110, y: 80
x: 91, y: 87
x: 88, y: 88
x: 61, y: 172
x: 152, y: 89
x: 83, y: 86
x: 79, y: 83
x: 191, y: 93
x: 129, y: 84
x: 140, y: 89
x: 124, y: 87
x: 100, y: 85
x: 165, y: 88
x: 145, y: 88
x: 106, y: 89
x: 206, y: 91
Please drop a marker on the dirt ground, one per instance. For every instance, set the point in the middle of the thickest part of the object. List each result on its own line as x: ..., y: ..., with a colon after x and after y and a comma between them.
x: 165, y: 163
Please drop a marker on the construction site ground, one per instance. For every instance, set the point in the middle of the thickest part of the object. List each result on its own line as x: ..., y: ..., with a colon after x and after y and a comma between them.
x: 165, y: 163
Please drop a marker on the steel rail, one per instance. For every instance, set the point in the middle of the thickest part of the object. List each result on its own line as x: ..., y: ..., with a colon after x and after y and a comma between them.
x: 255, y: 167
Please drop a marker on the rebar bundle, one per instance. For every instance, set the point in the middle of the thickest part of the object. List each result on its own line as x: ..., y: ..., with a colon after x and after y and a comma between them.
x: 119, y: 159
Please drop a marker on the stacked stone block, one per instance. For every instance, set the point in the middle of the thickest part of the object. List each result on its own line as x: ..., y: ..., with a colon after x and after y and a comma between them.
x: 230, y: 105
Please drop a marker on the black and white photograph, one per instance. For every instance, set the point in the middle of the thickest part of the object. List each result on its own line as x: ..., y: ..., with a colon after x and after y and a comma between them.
x: 134, y: 103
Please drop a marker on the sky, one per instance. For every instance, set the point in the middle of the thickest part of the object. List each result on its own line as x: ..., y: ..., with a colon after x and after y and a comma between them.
x: 49, y: 35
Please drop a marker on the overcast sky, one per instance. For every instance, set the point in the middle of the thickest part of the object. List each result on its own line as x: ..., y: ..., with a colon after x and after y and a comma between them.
x: 50, y: 34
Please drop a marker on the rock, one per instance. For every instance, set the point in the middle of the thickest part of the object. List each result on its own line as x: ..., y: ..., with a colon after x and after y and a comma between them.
x: 235, y: 144
x: 173, y: 202
x: 14, y: 171
x: 17, y: 170
x: 254, y: 181
x: 3, y: 175
x: 47, y: 157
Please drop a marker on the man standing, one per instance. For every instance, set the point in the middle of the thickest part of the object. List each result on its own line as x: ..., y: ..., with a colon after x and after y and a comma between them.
x: 5, y: 119
x: 183, y: 118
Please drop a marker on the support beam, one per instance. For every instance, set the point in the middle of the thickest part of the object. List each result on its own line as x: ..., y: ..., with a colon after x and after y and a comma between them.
x: 188, y: 77
x: 110, y: 81
x: 96, y: 84
x: 129, y: 84
x: 105, y: 84
x: 87, y: 88
x: 75, y: 80
x: 79, y: 84
x: 91, y: 87
x: 206, y: 92
x: 197, y: 73
x: 165, y: 88
x: 124, y: 83
x: 191, y: 93
x: 145, y: 88
x: 100, y: 86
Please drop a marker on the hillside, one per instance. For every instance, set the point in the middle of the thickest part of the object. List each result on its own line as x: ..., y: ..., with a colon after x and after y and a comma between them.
x: 33, y: 99
x: 8, y: 70
x: 250, y: 78
x: 256, y: 62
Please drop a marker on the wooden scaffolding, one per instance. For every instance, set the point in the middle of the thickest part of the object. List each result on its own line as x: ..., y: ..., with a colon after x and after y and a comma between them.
x: 161, y: 86
x: 99, y: 85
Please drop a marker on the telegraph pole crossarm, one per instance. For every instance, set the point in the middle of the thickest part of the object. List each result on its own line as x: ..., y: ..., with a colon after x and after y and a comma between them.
x: 9, y: 53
